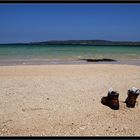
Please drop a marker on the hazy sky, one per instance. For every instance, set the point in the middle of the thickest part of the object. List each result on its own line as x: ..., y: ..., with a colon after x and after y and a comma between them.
x: 39, y: 22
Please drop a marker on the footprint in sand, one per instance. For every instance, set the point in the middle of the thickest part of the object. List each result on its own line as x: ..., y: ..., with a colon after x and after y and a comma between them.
x: 7, y: 121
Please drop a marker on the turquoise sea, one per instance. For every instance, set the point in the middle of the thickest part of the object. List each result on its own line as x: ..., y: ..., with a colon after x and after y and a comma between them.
x: 56, y: 54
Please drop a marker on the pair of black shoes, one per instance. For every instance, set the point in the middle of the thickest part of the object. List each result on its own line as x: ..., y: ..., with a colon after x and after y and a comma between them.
x: 112, y: 100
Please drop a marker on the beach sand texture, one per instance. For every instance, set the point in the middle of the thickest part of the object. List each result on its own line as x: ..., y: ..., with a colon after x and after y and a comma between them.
x: 64, y: 100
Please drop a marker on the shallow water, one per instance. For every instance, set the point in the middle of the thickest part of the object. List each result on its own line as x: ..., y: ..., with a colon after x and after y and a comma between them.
x: 68, y: 54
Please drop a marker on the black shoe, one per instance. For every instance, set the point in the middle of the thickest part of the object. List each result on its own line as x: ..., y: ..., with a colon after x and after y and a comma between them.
x: 133, y: 93
x: 111, y: 100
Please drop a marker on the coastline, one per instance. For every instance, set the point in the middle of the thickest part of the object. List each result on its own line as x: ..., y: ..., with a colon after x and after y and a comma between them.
x: 20, y: 62
x: 64, y: 100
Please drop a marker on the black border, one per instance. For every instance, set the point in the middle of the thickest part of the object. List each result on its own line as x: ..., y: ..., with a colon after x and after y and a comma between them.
x: 72, y: 137
x: 70, y: 2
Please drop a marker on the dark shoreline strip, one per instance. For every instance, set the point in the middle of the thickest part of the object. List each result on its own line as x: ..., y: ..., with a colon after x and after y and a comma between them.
x: 99, y: 60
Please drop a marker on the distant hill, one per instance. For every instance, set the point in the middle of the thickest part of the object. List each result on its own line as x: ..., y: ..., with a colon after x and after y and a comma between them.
x: 82, y: 42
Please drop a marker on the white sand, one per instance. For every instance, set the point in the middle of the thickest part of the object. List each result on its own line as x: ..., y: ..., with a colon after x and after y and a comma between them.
x: 60, y: 100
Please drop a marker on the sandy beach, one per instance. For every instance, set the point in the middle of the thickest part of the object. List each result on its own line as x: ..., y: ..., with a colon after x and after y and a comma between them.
x: 64, y: 100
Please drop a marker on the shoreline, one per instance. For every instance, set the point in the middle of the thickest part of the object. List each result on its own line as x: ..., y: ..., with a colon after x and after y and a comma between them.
x: 25, y: 62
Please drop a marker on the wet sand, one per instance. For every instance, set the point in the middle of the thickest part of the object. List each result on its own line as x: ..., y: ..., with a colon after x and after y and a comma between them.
x: 17, y: 62
x: 64, y: 100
